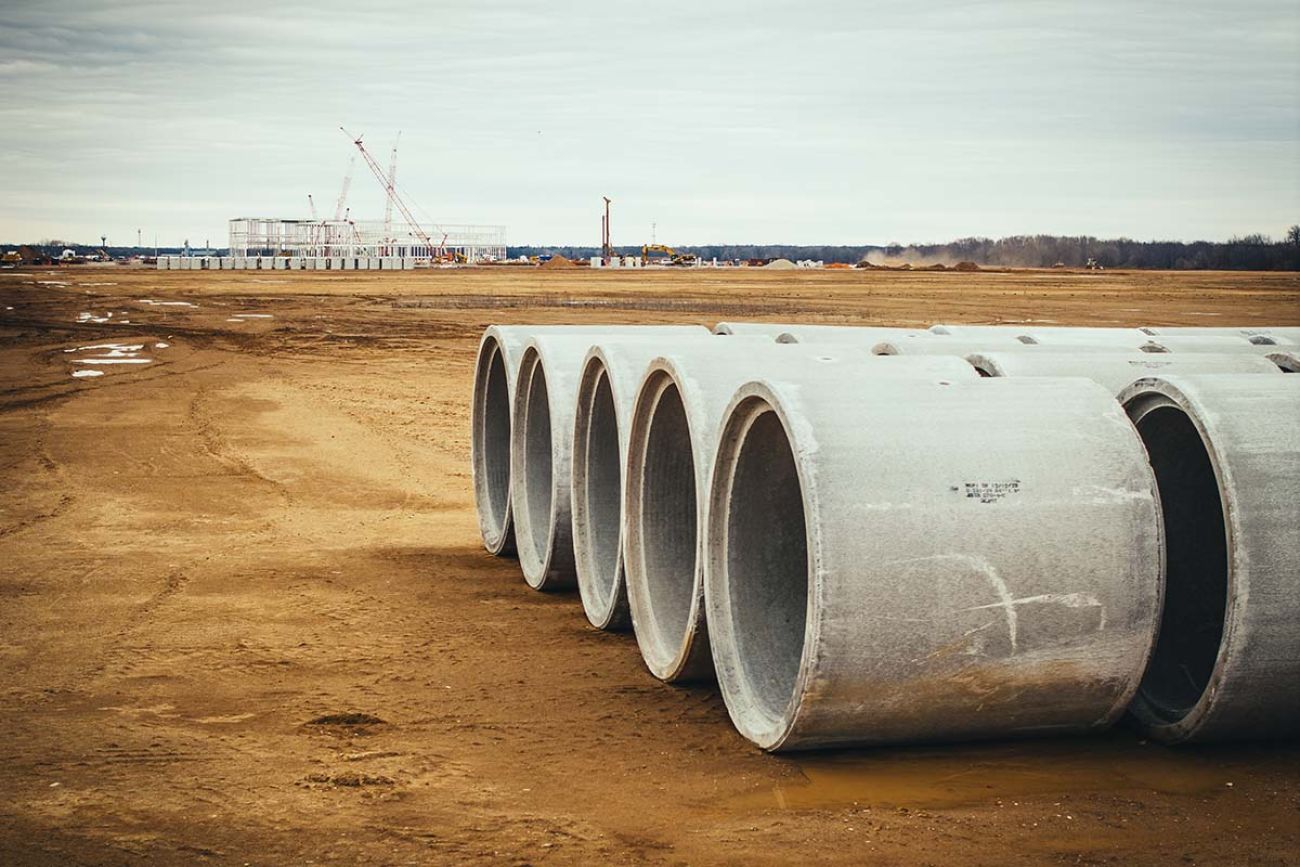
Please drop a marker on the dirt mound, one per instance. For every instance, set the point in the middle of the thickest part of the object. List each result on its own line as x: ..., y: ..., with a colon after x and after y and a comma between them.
x: 558, y: 261
x: 781, y: 265
x: 965, y: 266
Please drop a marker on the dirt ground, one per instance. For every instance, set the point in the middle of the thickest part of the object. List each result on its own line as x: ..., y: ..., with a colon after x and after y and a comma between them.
x: 245, y: 617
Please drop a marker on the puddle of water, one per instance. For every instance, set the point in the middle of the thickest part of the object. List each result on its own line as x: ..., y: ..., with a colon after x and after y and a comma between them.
x: 940, y: 777
x: 117, y: 347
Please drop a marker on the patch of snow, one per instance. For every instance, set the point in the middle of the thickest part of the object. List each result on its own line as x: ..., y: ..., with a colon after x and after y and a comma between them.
x: 81, y: 374
x: 161, y: 345
x: 154, y: 303
x: 111, y: 360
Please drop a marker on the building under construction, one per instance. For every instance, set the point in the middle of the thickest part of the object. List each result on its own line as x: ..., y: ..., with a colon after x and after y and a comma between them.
x: 259, y: 236
x: 390, y: 238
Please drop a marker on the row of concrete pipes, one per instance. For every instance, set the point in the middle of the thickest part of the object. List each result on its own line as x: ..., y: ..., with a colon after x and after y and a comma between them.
x: 876, y: 535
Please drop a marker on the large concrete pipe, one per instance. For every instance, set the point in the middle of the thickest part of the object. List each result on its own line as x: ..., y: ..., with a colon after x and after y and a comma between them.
x: 491, y: 409
x: 611, y: 373
x: 673, y: 439
x: 959, y: 347
x: 1203, y: 343
x: 1290, y: 333
x: 541, y: 447
x: 1286, y: 360
x: 1226, y: 454
x: 861, y: 335
x: 752, y: 329
x: 1085, y: 333
x: 896, y: 562
x: 1087, y: 340
x: 1114, y: 371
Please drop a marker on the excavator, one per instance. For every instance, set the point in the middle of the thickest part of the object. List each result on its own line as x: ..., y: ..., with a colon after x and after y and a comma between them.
x: 674, y: 258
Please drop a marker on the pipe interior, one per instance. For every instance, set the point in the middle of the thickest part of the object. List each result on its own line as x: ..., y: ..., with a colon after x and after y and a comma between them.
x: 602, y: 490
x: 668, y: 521
x: 537, y: 459
x: 494, y: 439
x: 767, y: 564
x: 1196, y: 552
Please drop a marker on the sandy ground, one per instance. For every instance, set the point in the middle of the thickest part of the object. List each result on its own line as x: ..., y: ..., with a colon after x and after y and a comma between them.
x: 245, y: 617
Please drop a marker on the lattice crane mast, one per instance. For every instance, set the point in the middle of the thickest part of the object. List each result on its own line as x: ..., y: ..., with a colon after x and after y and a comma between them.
x: 439, y: 249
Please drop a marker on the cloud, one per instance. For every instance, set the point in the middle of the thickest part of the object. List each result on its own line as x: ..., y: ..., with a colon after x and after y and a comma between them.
x: 815, y: 122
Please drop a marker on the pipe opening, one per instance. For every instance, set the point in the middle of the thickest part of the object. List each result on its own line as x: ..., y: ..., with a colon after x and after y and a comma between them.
x: 602, y: 491
x: 537, y: 458
x: 767, y: 564
x: 1196, y: 554
x: 493, y: 434
x: 668, y: 521
x: 1288, y: 362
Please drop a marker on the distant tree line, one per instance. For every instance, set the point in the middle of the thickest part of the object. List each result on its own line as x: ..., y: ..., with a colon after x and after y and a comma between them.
x: 1248, y: 253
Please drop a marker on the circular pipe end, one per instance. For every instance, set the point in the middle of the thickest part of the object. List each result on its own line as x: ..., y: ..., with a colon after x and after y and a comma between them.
x: 759, y: 570
x: 531, y: 455
x: 1186, y: 661
x: 490, y: 447
x: 598, y: 500
x: 664, y: 578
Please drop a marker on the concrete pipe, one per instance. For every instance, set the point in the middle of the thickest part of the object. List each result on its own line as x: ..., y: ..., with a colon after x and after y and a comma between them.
x: 1287, y: 361
x: 1087, y: 340
x: 1226, y: 454
x: 1114, y: 371
x: 751, y: 329
x: 847, y: 334
x: 607, y: 387
x: 1205, y: 343
x: 1285, y: 332
x: 541, y: 446
x: 673, y: 439
x: 491, y: 408
x: 958, y: 347
x: 916, y: 562
x: 1085, y: 333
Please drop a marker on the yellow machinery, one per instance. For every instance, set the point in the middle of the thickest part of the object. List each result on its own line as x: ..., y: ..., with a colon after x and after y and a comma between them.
x: 674, y: 258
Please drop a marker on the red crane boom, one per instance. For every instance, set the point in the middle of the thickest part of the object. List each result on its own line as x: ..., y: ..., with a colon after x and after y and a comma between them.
x: 440, y: 250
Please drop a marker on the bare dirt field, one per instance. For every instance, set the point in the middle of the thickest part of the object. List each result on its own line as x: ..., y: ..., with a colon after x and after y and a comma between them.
x: 245, y: 617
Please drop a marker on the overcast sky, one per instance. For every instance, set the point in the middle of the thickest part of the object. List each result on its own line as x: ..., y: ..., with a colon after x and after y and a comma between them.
x: 816, y: 121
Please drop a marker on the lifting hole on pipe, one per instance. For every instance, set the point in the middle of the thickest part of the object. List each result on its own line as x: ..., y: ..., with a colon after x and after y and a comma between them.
x: 537, y: 471
x: 668, y: 525
x: 765, y: 556
x: 1196, y: 551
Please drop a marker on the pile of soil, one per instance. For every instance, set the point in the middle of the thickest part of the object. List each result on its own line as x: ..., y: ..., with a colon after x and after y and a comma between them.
x: 558, y: 261
x: 781, y: 265
x: 965, y: 266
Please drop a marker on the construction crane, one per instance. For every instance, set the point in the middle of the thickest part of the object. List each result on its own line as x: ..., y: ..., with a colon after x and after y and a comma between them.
x: 606, y: 248
x: 311, y: 203
x: 340, y: 209
x: 439, y: 249
x: 390, y: 188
